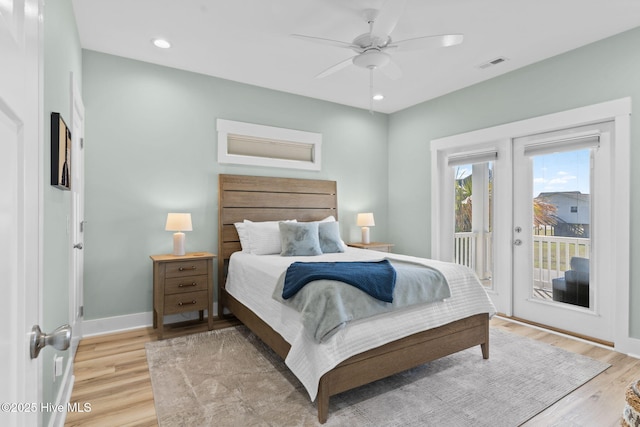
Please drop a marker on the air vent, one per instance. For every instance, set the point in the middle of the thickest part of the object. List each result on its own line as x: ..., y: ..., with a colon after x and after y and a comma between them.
x: 493, y: 62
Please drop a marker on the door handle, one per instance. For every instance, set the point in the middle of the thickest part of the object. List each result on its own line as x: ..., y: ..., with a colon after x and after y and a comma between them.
x: 60, y: 339
x: 77, y: 246
x: 517, y: 242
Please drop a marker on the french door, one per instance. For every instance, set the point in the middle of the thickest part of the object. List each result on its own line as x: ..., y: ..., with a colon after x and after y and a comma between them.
x: 551, y: 209
x: 561, y: 230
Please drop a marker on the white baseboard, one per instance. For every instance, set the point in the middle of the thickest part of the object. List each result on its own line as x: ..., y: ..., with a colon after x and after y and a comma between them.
x: 631, y: 347
x: 128, y: 322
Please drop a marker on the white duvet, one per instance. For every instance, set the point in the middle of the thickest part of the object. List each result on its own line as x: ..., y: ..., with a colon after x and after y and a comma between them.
x: 252, y: 278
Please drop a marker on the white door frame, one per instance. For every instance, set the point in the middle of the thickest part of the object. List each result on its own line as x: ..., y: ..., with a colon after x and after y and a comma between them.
x: 617, y: 110
x: 76, y: 254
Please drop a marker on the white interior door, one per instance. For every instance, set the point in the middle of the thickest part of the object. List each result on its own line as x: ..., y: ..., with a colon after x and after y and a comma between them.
x: 20, y: 209
x: 562, y: 230
x: 76, y: 284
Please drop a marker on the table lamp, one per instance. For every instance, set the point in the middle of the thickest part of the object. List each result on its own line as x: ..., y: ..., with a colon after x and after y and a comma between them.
x: 365, y: 220
x: 178, y: 222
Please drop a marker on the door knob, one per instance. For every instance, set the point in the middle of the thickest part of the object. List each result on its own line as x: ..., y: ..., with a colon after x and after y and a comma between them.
x: 60, y: 339
x: 517, y: 242
x: 77, y: 246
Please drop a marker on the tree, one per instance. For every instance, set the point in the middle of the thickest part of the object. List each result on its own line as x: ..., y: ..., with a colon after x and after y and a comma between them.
x: 463, y: 201
x: 544, y: 213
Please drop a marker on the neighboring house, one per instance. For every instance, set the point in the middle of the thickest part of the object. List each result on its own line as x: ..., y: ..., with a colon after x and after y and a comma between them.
x: 573, y: 210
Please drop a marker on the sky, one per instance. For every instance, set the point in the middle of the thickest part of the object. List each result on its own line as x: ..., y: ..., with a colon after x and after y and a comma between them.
x: 568, y: 171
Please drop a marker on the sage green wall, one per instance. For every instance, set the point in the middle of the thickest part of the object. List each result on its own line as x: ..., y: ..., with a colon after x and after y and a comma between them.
x: 62, y: 55
x: 599, y: 72
x: 151, y: 148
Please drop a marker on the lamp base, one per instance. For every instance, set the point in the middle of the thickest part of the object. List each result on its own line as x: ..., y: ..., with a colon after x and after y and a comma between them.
x: 178, y: 243
x: 365, y: 235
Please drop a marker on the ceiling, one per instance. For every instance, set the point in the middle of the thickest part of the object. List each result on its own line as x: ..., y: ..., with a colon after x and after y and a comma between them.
x: 249, y: 40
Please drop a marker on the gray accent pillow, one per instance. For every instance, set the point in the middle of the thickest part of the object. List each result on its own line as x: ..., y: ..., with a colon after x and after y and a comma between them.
x: 329, y: 236
x: 299, y: 239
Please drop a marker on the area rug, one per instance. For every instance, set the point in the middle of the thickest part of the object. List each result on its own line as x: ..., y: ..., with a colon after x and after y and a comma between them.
x: 229, y: 377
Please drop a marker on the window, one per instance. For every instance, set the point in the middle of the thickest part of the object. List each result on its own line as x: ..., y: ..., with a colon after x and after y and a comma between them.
x: 574, y: 209
x: 259, y: 145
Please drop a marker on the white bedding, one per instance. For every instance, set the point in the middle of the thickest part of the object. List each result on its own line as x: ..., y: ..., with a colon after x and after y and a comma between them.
x: 252, y: 278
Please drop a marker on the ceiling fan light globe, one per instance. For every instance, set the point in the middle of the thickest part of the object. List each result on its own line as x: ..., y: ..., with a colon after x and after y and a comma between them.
x: 371, y: 59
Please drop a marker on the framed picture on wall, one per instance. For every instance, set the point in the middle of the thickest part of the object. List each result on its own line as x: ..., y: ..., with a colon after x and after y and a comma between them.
x: 60, y: 153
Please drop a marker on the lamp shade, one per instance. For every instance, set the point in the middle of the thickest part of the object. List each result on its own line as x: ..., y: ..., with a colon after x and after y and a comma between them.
x: 178, y: 222
x: 365, y: 220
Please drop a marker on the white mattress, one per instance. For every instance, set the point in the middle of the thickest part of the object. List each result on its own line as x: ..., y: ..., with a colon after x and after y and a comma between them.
x: 252, y: 278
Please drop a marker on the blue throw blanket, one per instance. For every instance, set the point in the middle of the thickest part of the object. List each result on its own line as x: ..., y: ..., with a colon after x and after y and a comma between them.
x: 376, y: 278
x: 327, y: 306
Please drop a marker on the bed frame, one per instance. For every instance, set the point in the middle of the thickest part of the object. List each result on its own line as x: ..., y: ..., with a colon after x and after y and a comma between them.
x: 256, y: 198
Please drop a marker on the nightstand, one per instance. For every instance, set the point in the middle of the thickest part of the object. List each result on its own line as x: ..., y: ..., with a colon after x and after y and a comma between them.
x: 182, y: 284
x: 374, y: 246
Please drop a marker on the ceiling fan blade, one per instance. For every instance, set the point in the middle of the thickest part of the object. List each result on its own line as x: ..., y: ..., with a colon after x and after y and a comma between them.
x: 391, y: 70
x: 387, y: 19
x: 426, y: 42
x: 328, y: 42
x: 337, y: 67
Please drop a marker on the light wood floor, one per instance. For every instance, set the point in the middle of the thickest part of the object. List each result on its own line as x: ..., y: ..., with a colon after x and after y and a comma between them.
x: 113, y: 376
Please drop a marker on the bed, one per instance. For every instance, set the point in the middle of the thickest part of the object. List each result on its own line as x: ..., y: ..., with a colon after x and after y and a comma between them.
x: 272, y: 199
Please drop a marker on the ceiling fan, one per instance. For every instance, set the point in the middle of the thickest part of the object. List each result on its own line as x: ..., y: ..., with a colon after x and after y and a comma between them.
x: 373, y: 48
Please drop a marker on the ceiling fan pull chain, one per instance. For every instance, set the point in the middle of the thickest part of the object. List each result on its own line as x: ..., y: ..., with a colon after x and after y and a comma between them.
x: 371, y: 90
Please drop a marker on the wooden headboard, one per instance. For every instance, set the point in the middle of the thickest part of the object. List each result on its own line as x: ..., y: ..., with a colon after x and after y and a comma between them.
x: 260, y: 198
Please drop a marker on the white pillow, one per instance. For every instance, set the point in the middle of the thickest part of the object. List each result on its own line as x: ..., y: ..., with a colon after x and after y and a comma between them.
x: 330, y: 218
x: 264, y: 237
x: 243, y: 234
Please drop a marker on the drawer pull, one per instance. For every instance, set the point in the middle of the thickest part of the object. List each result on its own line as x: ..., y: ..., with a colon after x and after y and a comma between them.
x: 182, y: 285
x: 185, y: 303
x: 193, y: 267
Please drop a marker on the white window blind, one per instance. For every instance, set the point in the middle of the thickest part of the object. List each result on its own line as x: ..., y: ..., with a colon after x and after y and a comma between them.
x: 260, y: 145
x: 242, y: 145
x: 559, y: 145
x: 471, y: 157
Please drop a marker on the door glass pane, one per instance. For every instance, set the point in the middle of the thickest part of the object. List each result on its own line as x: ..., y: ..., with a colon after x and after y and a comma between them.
x: 473, y: 245
x: 561, y: 226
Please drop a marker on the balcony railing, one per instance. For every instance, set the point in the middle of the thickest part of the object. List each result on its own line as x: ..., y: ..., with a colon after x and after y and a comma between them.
x: 475, y: 250
x: 551, y: 255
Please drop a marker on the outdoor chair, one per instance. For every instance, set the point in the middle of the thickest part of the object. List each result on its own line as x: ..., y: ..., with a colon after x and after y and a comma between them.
x: 573, y: 288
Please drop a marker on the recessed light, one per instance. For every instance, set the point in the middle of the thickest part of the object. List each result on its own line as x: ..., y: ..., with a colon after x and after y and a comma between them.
x: 161, y: 43
x: 378, y: 97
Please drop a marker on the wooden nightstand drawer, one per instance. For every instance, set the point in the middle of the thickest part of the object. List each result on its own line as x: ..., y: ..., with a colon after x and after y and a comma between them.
x: 186, y: 268
x: 185, y: 284
x: 182, y: 283
x: 189, y: 301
